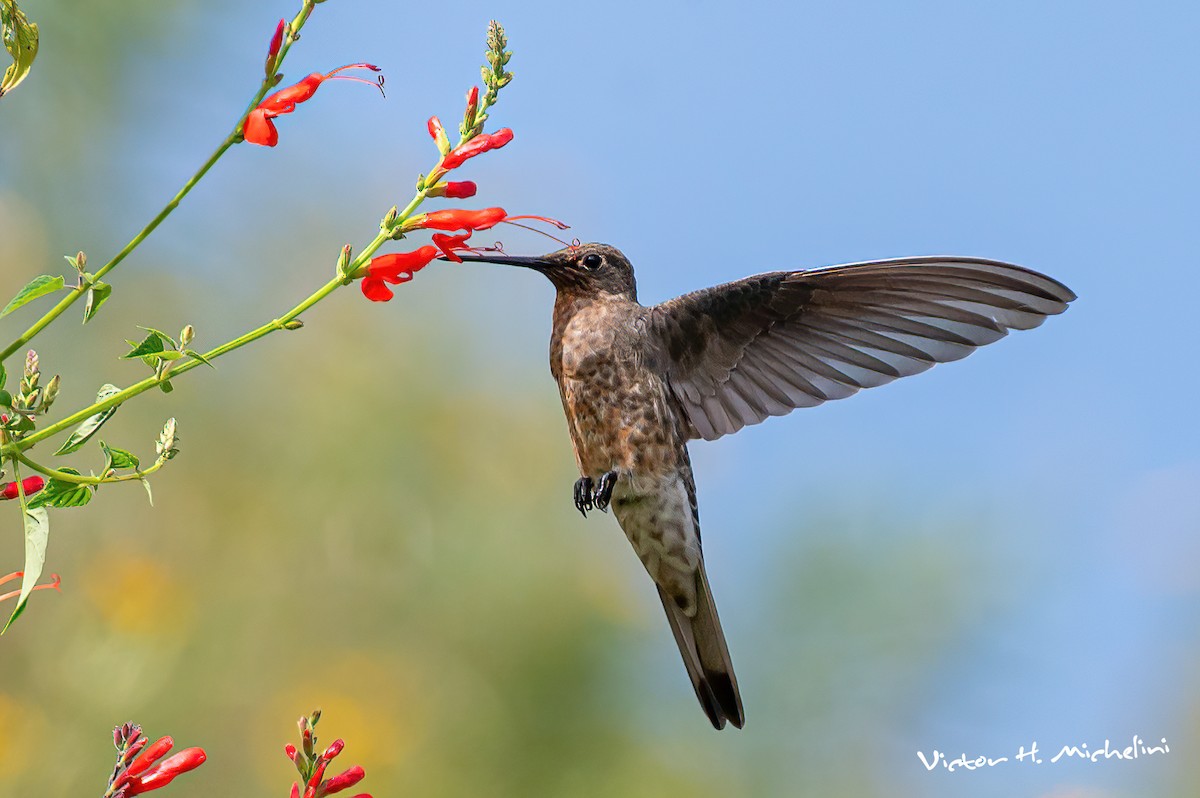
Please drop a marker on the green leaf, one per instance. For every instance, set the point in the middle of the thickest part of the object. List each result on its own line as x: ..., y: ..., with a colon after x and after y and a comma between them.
x: 200, y: 357
x: 37, y: 287
x: 161, y: 335
x: 62, y: 494
x: 37, y: 534
x: 118, y: 458
x: 152, y: 345
x: 92, y: 424
x: 21, y: 40
x: 169, y: 354
x: 97, y: 295
x: 166, y: 387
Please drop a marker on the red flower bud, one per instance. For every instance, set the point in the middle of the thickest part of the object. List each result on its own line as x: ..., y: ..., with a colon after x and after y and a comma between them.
x: 395, y: 268
x: 480, y: 144
x: 334, y: 749
x: 31, y: 485
x: 344, y: 781
x: 295, y: 790
x: 148, y: 757
x: 472, y: 105
x: 318, y: 773
x: 290, y: 750
x: 461, y: 189
x: 273, y: 49
x: 457, y: 219
x: 165, y: 772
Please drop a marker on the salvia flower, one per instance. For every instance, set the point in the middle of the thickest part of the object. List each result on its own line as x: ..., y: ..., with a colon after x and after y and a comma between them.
x: 450, y: 244
x: 453, y: 189
x: 394, y: 268
x: 31, y: 485
x: 480, y: 144
x: 312, y: 768
x: 165, y: 772
x: 258, y: 127
x: 456, y: 219
x: 139, y: 769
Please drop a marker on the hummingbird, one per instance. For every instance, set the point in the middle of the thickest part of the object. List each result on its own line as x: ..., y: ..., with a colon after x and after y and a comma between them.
x: 638, y: 383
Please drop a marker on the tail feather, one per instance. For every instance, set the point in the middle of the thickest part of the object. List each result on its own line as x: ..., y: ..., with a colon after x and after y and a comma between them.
x: 705, y: 655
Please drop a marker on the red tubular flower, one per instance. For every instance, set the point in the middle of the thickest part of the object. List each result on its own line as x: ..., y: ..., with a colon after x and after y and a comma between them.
x: 165, y: 772
x: 480, y: 144
x: 448, y: 244
x: 454, y: 189
x: 334, y: 749
x: 396, y: 268
x: 273, y: 49
x: 343, y: 781
x: 456, y: 219
x: 31, y: 484
x: 258, y: 128
x: 295, y: 793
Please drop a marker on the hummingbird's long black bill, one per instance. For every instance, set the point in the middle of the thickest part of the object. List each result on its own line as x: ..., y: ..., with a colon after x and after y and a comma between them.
x: 508, y: 260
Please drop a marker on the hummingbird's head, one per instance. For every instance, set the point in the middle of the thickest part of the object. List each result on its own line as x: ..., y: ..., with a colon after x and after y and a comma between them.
x: 586, y: 269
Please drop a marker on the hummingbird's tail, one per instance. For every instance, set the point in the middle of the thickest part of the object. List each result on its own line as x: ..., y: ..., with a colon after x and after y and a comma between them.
x: 705, y: 654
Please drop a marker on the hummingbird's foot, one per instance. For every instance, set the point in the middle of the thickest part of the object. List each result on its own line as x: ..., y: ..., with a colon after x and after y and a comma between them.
x: 583, y: 495
x: 603, y: 494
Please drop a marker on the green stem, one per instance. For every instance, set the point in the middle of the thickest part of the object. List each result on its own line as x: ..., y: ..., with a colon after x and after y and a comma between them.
x: 78, y: 479
x: 234, y: 137
x: 153, y: 381
x: 82, y: 288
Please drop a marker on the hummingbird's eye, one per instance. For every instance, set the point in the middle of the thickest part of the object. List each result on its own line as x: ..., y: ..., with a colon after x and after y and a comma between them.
x: 591, y: 260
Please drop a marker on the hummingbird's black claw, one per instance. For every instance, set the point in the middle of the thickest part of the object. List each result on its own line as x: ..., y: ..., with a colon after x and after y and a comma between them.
x: 583, y: 495
x: 603, y: 494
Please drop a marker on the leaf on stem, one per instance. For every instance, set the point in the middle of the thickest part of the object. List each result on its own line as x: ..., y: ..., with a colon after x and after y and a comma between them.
x: 92, y: 424
x: 62, y: 494
x: 118, y: 458
x: 200, y: 357
x: 97, y: 295
x: 21, y: 40
x: 37, y: 533
x: 37, y: 287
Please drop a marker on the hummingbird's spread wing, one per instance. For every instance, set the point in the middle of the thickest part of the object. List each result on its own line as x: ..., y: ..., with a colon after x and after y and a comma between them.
x: 768, y: 344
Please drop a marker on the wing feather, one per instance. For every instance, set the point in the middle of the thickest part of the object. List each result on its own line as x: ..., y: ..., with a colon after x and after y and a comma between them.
x: 741, y: 352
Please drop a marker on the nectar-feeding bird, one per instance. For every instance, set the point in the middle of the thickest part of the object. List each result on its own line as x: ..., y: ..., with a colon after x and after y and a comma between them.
x: 637, y: 383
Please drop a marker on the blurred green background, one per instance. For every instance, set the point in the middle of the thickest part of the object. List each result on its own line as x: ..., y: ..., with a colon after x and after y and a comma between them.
x: 372, y: 515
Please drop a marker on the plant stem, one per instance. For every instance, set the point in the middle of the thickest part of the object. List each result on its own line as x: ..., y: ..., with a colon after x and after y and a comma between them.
x: 79, y: 479
x: 233, y: 138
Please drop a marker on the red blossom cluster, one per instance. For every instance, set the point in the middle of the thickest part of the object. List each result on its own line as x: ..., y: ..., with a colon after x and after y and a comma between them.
x: 138, y: 767
x: 312, y: 766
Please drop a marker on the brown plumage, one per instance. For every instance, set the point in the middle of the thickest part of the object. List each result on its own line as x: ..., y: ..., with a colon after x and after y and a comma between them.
x: 638, y: 382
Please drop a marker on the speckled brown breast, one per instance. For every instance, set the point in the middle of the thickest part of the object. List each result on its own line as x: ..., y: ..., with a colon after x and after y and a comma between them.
x: 618, y: 406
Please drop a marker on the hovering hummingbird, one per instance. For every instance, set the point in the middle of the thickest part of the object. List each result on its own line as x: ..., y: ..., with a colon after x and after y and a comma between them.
x: 637, y: 383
